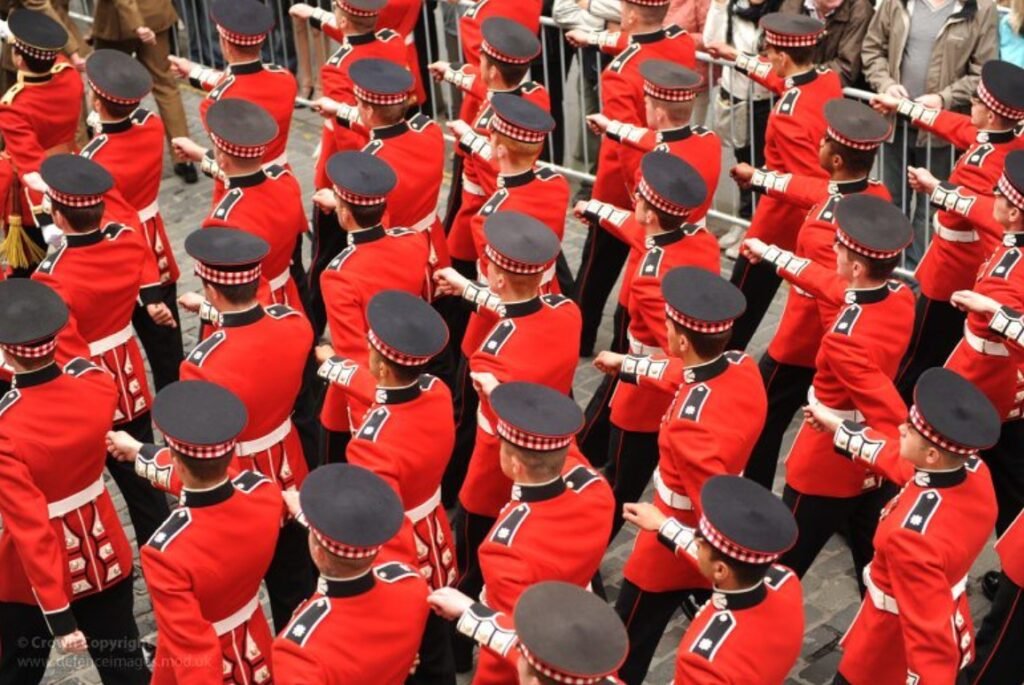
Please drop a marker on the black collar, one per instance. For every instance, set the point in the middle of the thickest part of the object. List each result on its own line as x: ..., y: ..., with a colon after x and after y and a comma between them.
x: 520, y: 179
x: 802, y: 79
x: 665, y: 238
x: 206, y: 498
x: 83, y: 239
x: 391, y: 131
x: 119, y: 126
x: 361, y: 38
x: 706, y: 371
x: 27, y: 379
x: 26, y: 77
x: 996, y: 136
x: 366, y: 235
x: 1013, y: 239
x: 940, y: 479
x: 246, y: 68
x: 538, y: 493
x: 867, y: 295
x: 849, y: 187
x: 652, y: 37
x: 242, y: 318
x: 249, y: 180
x: 671, y: 135
x: 524, y: 308
x: 398, y: 395
x: 739, y: 599
x: 350, y: 587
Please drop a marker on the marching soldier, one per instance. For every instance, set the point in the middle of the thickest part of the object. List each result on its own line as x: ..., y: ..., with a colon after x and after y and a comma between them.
x: 869, y: 326
x: 958, y: 248
x: 67, y: 564
x: 39, y: 117
x: 130, y: 146
x: 752, y: 628
x: 710, y: 426
x: 795, y: 129
x: 88, y: 271
x: 661, y: 236
x: 847, y: 152
x: 375, y: 259
x: 558, y: 633
x: 266, y: 202
x: 204, y: 565
x: 642, y: 38
x: 363, y: 624
x: 914, y: 624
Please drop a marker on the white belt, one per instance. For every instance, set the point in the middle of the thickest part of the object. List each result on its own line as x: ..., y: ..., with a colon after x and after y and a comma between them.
x: 425, y: 224
x: 281, y: 159
x: 484, y: 424
x: 279, y: 281
x: 673, y: 499
x: 104, y: 345
x: 72, y: 502
x: 410, y: 39
x: 226, y: 625
x: 418, y: 513
x: 637, y: 347
x: 844, y: 414
x: 265, y: 442
x: 149, y: 211
x: 986, y: 347
x: 952, y: 235
x: 884, y: 602
x: 470, y: 187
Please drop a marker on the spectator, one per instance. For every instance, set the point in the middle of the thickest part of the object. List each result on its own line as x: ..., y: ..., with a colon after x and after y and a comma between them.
x: 846, y: 22
x: 311, y: 52
x: 1011, y: 34
x: 691, y: 15
x: 203, y: 46
x: 930, y: 51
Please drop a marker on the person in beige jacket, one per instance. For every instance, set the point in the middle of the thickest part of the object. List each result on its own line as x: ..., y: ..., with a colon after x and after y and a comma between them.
x: 76, y: 49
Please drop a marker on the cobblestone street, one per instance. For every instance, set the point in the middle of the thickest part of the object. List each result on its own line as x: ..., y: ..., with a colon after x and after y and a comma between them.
x: 830, y: 589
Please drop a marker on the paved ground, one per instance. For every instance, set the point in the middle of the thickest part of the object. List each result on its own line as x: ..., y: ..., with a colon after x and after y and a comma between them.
x: 830, y: 590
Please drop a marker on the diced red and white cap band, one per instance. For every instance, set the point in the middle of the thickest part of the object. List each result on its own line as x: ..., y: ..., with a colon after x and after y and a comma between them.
x: 933, y: 436
x: 855, y: 144
x: 649, y: 194
x: 355, y: 11
x: 558, y: 676
x: 355, y: 199
x: 531, y: 441
x: 375, y: 98
x: 492, y: 51
x: 789, y: 40
x: 201, y: 451
x: 241, y: 38
x: 244, y: 151
x: 849, y: 242
x: 524, y: 135
x: 670, y: 94
x: 649, y: 3
x: 33, y: 51
x: 116, y: 99
x: 731, y: 549
x: 34, y: 350
x: 996, y: 106
x: 211, y: 273
x: 1010, y: 191
x: 512, y: 265
x: 73, y: 200
x: 394, y: 355
x: 697, y: 324
x: 341, y: 550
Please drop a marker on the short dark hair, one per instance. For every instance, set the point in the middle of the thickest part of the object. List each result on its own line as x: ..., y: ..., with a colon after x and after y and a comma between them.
x: 856, y: 161
x: 391, y: 114
x: 205, y: 469
x: 512, y: 74
x: 367, y: 215
x: 705, y: 345
x: 35, y: 64
x: 668, y: 222
x: 878, y: 269
x: 747, y: 574
x: 240, y: 293
x: 803, y: 54
x: 404, y: 374
x: 116, y: 110
x: 81, y: 218
x: 540, y: 464
x: 651, y: 14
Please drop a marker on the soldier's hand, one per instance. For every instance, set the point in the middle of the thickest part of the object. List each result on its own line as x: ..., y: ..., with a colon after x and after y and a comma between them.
x: 484, y: 382
x: 122, y: 446
x: 73, y: 643
x: 34, y: 181
x: 325, y: 107
x: 458, y: 127
x: 323, y: 353
x: 897, y: 91
x: 598, y: 123
x: 921, y: 180
x: 439, y: 69
x: 448, y: 281
x: 291, y: 501
x: 885, y: 103
x: 579, y: 210
x: 161, y: 315
x: 187, y: 149
x: 78, y: 62
x: 301, y: 10
x: 449, y: 603
x: 741, y: 174
x: 931, y: 100
x: 146, y: 35
x: 643, y: 515
x: 180, y: 66
x: 753, y: 249
x: 326, y: 200
x: 191, y: 302
x: 822, y: 418
x: 970, y: 301
x: 578, y: 38
x: 608, y: 362
x: 722, y: 51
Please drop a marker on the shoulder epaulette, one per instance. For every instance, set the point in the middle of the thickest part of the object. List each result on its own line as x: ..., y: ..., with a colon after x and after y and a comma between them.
x: 401, y: 232
x: 924, y: 509
x: 141, y: 116
x: 12, y: 93
x: 499, y: 336
x: 339, y: 261
x: 387, y: 34
x: 275, y: 171
x: 373, y: 146
x: 694, y: 402
x: 340, y: 54
x: 506, y: 528
x: 270, y: 66
x: 554, y: 300
x: 546, y: 173
x: 178, y: 521
x: 1006, y: 264
x: 787, y: 103
x: 394, y: 572
x: 306, y: 621
x: 420, y: 122
x: 776, y: 576
x: 494, y: 202
x: 714, y: 634
x: 201, y: 352
x: 113, y: 231
x: 227, y: 203
x: 280, y: 311
x: 79, y: 366
x: 373, y: 423
x: 580, y: 477
x: 622, y: 59
x: 247, y: 481
x: 734, y: 356
x: 701, y: 130
x: 49, y: 263
x: 9, y: 399
x: 847, y: 319
x: 218, y: 91
x: 673, y: 31
x: 94, y: 146
x: 427, y: 381
x: 530, y: 87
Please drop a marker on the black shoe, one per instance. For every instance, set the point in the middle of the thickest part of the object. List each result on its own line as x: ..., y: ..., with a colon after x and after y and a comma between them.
x: 187, y: 171
x: 148, y: 653
x: 990, y: 585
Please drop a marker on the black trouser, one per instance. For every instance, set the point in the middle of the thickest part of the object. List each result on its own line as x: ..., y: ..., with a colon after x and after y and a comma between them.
x: 291, y: 577
x: 999, y: 646
x: 162, y: 343
x: 602, y: 260
x: 470, y: 532
x: 632, y: 458
x: 437, y: 661
x: 147, y: 506
x: 786, y: 386
x: 106, y: 618
x: 758, y: 282
x: 593, y: 438
x: 456, y: 312
x: 333, y: 445
x: 646, y: 615
x: 938, y: 327
x: 425, y: 35
x: 1005, y: 461
x: 760, y: 110
x: 306, y: 412
x: 819, y: 518
x: 465, y: 403
x: 328, y: 240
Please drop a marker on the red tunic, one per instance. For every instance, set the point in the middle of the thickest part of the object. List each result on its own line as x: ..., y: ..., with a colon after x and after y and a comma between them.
x: 62, y: 538
x: 525, y: 12
x: 363, y: 630
x: 204, y: 567
x: 536, y: 341
x: 709, y: 429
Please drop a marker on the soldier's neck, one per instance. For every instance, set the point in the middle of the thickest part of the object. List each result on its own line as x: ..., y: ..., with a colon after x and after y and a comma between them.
x: 509, y: 168
x: 865, y: 283
x: 644, y: 29
x: 225, y: 307
x: 691, y: 359
x: 194, y: 484
x: 841, y: 175
x: 672, y: 125
x: 797, y: 69
x: 511, y: 295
